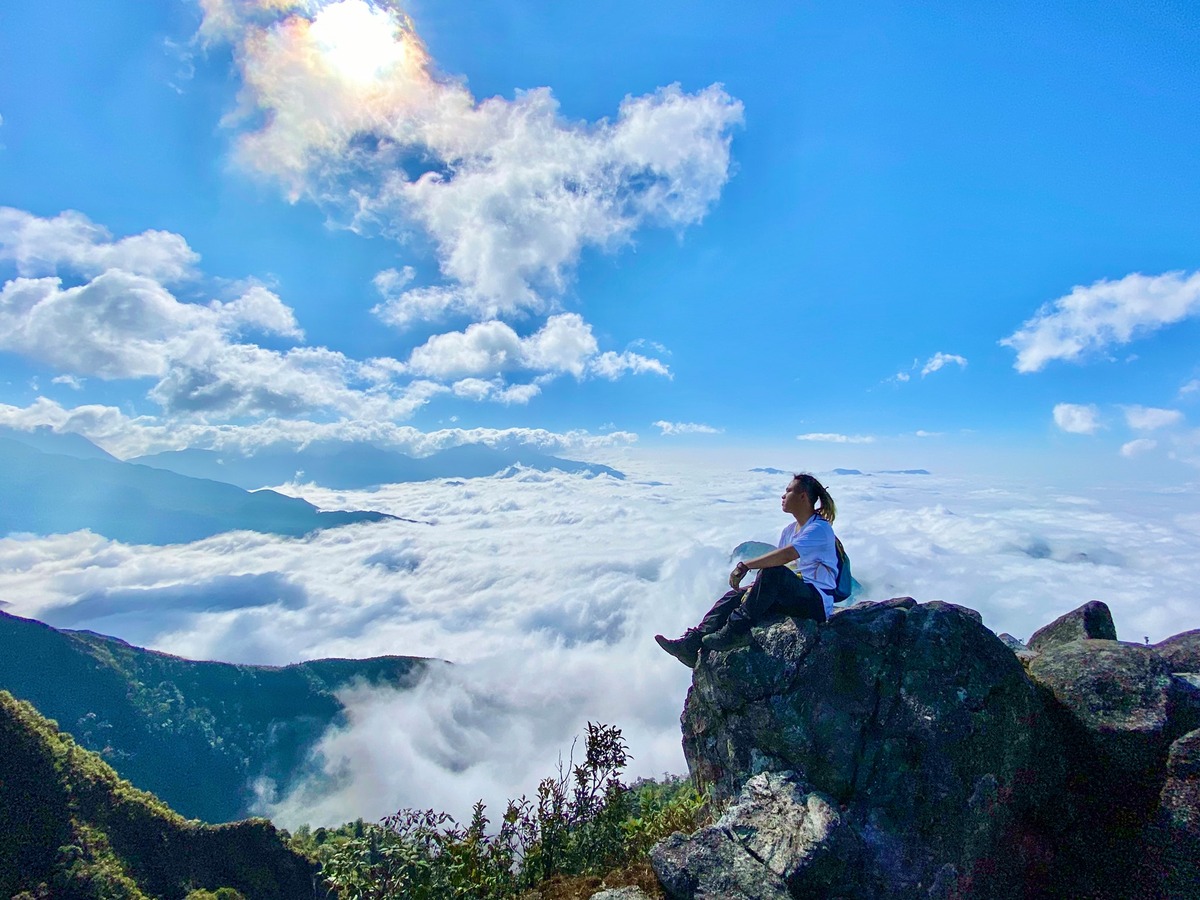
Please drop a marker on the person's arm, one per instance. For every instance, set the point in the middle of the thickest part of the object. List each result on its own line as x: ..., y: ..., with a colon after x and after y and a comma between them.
x: 780, y: 557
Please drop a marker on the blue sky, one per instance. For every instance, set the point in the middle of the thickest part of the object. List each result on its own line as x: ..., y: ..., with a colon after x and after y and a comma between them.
x: 938, y: 234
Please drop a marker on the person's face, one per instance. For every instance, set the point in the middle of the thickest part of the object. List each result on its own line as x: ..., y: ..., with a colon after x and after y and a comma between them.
x: 795, y: 501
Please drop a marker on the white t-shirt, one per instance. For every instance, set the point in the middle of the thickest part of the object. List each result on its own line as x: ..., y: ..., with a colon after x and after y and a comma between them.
x: 817, y: 562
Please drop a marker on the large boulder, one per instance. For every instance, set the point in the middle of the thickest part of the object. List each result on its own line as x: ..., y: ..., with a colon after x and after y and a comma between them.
x: 1092, y: 621
x: 1119, y: 709
x: 916, y: 722
x: 1118, y: 696
x: 778, y: 840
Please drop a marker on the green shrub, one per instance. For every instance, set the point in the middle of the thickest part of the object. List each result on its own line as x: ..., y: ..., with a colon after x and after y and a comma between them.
x: 583, y: 821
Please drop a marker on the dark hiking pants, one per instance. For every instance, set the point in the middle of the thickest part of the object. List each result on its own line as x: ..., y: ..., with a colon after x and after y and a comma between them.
x: 777, y: 591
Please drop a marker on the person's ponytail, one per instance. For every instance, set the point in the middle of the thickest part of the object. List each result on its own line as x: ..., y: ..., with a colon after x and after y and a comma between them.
x: 818, y: 496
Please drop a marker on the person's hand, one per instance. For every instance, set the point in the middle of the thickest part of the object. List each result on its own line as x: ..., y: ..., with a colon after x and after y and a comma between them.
x: 738, y: 573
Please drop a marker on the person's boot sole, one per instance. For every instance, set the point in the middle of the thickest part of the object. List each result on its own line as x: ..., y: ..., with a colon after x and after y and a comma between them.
x: 686, y: 656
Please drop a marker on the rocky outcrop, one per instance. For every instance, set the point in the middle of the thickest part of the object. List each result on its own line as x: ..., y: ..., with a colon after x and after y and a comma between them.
x: 778, y: 840
x: 903, y: 750
x: 1092, y: 621
x: 1182, y: 652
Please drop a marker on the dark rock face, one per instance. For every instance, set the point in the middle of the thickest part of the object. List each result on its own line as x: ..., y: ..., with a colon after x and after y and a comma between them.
x: 1092, y: 621
x: 910, y: 753
x: 1119, y: 697
x: 1175, y: 833
x: 915, y: 719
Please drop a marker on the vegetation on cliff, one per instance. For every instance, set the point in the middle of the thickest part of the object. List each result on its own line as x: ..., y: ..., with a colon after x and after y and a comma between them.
x: 584, y: 828
x: 73, y: 830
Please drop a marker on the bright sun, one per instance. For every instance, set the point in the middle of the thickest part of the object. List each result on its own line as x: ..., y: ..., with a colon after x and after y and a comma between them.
x: 358, y: 41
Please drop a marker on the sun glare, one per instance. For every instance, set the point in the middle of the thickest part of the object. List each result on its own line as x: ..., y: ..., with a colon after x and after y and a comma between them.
x: 358, y: 41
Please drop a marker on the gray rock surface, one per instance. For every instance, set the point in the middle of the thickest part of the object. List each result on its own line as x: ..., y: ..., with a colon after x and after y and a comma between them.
x: 914, y: 719
x: 1011, y: 642
x: 777, y: 841
x: 1092, y: 621
x: 621, y: 893
x: 1118, y: 693
x: 1182, y: 651
x: 902, y: 750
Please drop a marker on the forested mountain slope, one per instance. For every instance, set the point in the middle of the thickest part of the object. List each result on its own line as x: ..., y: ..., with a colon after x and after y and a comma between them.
x: 195, y: 734
x: 72, y: 829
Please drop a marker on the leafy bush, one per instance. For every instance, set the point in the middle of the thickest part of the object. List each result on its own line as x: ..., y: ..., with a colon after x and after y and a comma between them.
x: 583, y: 822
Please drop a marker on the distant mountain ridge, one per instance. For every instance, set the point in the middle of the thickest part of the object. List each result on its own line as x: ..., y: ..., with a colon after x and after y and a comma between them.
x: 63, y: 443
x: 51, y: 493
x: 348, y: 465
x: 196, y: 734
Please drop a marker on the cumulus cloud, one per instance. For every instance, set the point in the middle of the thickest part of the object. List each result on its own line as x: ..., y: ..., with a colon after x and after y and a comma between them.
x: 670, y: 428
x: 545, y: 641
x: 828, y: 437
x: 349, y: 110
x: 1106, y: 313
x: 564, y: 345
x: 1140, y: 445
x: 72, y: 242
x: 496, y: 390
x: 124, y: 325
x: 1077, y: 419
x: 1149, y: 418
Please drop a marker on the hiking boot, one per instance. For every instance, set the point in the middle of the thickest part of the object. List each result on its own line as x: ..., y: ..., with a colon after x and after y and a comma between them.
x: 685, y: 648
x: 735, y: 633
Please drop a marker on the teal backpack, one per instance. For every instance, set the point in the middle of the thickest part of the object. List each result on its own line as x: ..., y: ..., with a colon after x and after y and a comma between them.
x: 845, y: 581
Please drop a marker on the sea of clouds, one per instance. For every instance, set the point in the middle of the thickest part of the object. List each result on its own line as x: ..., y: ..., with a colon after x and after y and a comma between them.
x: 545, y: 590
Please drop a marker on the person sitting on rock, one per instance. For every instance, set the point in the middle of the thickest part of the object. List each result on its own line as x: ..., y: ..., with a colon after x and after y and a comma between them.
x: 797, y: 579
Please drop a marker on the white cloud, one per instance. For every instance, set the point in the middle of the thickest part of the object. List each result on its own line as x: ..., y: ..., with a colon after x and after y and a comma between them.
x: 940, y: 360
x: 421, y: 304
x: 1149, y: 418
x: 1141, y: 445
x: 122, y: 325
x: 391, y: 282
x: 545, y: 642
x: 1077, y: 419
x: 70, y: 381
x: 1190, y: 388
x: 496, y: 390
x: 258, y: 309
x: 72, y: 242
x: 509, y: 191
x: 612, y: 365
x: 125, y: 436
x: 118, y: 325
x: 671, y: 428
x: 833, y: 438
x: 1106, y: 313
x: 564, y: 345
